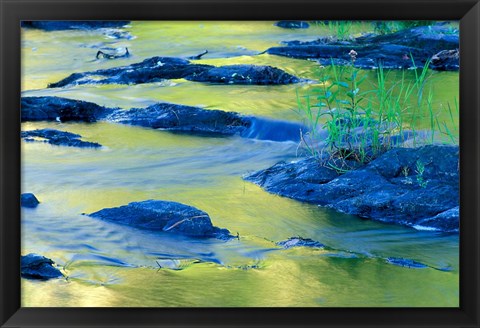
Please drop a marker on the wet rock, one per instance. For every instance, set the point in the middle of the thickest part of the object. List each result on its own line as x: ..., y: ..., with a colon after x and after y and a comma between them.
x: 444, y: 221
x: 61, y: 109
x: 58, y: 138
x: 106, y: 55
x: 407, y: 263
x: 292, y: 24
x: 165, y: 116
x: 179, y: 118
x: 164, y: 216
x: 431, y: 38
x: 408, y: 186
x: 28, y: 200
x: 150, y: 70
x: 159, y: 68
x: 446, y: 60
x: 391, y: 51
x: 34, y: 266
x: 244, y: 74
x: 299, y: 242
x: 71, y: 25
x: 118, y: 34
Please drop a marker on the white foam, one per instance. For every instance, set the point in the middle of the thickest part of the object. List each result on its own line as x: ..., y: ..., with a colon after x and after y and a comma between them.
x: 424, y: 228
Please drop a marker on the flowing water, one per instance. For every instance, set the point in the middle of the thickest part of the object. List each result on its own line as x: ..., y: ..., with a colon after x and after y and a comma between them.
x: 113, y: 265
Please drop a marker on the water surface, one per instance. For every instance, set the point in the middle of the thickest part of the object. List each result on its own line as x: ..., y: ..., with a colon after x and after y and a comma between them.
x: 112, y: 265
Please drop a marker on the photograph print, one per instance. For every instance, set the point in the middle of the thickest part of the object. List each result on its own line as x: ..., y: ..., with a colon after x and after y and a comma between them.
x: 240, y: 164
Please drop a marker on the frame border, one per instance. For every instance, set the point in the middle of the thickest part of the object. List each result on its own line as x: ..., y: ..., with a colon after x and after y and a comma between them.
x: 13, y: 11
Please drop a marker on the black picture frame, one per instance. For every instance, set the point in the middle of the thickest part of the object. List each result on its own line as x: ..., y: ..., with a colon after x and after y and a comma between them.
x: 13, y: 11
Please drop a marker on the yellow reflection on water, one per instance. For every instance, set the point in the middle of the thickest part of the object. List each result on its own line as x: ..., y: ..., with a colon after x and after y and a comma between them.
x: 136, y: 164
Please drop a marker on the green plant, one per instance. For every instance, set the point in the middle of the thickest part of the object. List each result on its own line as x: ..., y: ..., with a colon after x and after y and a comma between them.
x: 419, y: 170
x: 341, y: 30
x: 451, y: 133
x: 363, y: 122
x: 387, y: 27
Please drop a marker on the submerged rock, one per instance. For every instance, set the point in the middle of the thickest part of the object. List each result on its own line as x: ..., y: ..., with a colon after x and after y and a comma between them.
x: 165, y: 216
x: 34, y: 266
x: 176, y: 264
x: 58, y: 138
x: 273, y: 130
x: 292, y: 24
x: 391, y: 51
x: 159, y: 68
x: 300, y: 242
x: 28, y: 200
x: 61, y: 109
x: 115, y: 55
x: 52, y: 25
x: 407, y: 263
x: 408, y: 186
x: 181, y: 118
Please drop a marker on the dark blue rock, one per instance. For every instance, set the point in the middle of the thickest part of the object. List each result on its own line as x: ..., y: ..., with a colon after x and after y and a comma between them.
x: 165, y: 116
x: 63, y: 109
x: 34, y: 266
x: 71, y: 25
x: 165, y: 216
x: 444, y: 221
x: 150, y: 70
x: 300, y: 242
x: 391, y: 50
x: 378, y: 190
x: 58, y: 138
x: 446, y: 60
x: 407, y: 263
x: 292, y: 24
x: 244, y: 74
x: 159, y: 68
x: 28, y: 200
x: 186, y: 119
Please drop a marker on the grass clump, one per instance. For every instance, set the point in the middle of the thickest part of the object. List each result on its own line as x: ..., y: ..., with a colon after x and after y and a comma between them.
x: 362, y: 122
x: 340, y: 30
x: 387, y: 27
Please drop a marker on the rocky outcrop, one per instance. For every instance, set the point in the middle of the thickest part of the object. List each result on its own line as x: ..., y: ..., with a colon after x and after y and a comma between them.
x: 417, y: 187
x: 164, y: 216
x: 28, y: 200
x: 244, y: 74
x: 53, y: 25
x: 165, y: 116
x: 179, y: 118
x: 159, y: 68
x: 292, y: 24
x: 58, y: 138
x: 61, y: 109
x: 34, y: 266
x: 394, y: 50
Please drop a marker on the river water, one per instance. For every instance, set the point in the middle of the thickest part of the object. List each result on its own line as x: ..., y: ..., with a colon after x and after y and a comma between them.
x: 115, y: 266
